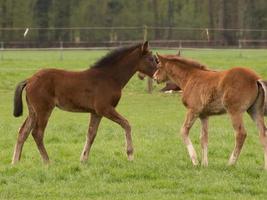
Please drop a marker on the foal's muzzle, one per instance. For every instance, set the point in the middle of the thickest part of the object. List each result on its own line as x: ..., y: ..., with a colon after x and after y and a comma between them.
x: 155, y: 78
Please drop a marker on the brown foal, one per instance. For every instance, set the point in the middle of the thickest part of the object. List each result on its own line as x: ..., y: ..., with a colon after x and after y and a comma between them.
x: 96, y: 90
x: 206, y: 92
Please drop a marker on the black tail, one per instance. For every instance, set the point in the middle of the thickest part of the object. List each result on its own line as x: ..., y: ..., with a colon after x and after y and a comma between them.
x: 18, y: 105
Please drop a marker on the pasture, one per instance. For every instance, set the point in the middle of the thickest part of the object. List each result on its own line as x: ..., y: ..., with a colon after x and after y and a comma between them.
x: 161, y: 169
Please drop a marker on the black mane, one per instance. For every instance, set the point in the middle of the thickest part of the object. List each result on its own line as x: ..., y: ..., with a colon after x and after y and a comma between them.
x: 114, y: 56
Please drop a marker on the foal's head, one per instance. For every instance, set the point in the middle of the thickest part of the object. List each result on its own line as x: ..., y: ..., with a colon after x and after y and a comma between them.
x: 184, y: 64
x: 161, y: 75
x: 147, y: 63
x: 141, y: 75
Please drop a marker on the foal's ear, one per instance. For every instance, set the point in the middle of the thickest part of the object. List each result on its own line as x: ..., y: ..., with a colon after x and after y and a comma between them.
x: 159, y: 57
x: 178, y: 53
x: 162, y: 59
x: 145, y: 47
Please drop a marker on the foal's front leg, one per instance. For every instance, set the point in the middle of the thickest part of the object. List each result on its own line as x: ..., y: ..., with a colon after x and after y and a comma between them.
x: 113, y: 115
x: 204, y: 140
x: 188, y: 123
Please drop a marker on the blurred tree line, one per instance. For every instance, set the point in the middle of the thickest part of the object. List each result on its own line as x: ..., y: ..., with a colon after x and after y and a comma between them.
x: 212, y: 14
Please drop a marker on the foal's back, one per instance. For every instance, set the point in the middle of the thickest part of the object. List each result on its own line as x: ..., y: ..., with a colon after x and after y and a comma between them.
x: 215, y: 92
x: 240, y: 89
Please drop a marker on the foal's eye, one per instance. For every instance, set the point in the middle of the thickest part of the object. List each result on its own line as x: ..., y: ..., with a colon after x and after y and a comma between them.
x: 151, y: 59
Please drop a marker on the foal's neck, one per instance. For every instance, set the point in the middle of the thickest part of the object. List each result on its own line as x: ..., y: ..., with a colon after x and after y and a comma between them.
x: 180, y: 74
x: 123, y: 71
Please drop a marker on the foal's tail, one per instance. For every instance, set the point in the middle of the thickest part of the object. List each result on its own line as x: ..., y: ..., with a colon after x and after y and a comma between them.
x: 263, y: 92
x: 18, y: 105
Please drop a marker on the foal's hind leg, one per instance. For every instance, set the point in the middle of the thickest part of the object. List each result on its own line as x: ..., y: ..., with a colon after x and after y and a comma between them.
x: 240, y: 136
x: 258, y: 118
x: 24, y: 132
x: 188, y: 123
x: 113, y: 115
x: 93, y: 126
x: 204, y: 140
x: 263, y: 137
x: 38, y: 134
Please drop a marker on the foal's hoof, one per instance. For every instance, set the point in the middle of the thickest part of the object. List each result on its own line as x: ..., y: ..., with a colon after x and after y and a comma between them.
x: 83, y: 157
x: 14, y: 162
x: 131, y: 157
x: 204, y: 164
x: 195, y: 162
x: 231, y: 163
x: 83, y: 161
x: 46, y: 162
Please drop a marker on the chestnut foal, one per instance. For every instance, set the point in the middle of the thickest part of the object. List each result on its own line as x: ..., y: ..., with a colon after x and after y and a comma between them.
x: 206, y: 92
x: 96, y: 90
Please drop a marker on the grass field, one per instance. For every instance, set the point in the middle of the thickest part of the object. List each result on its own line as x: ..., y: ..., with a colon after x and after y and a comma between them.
x: 161, y: 169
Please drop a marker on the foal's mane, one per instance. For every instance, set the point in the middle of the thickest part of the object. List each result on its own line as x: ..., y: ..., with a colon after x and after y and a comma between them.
x: 187, y: 61
x: 114, y: 56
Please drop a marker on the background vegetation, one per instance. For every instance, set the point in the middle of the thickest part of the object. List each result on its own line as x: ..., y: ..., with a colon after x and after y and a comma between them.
x: 212, y: 14
x: 161, y: 169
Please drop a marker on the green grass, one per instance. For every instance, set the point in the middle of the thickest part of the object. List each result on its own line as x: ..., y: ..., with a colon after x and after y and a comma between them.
x: 161, y: 169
